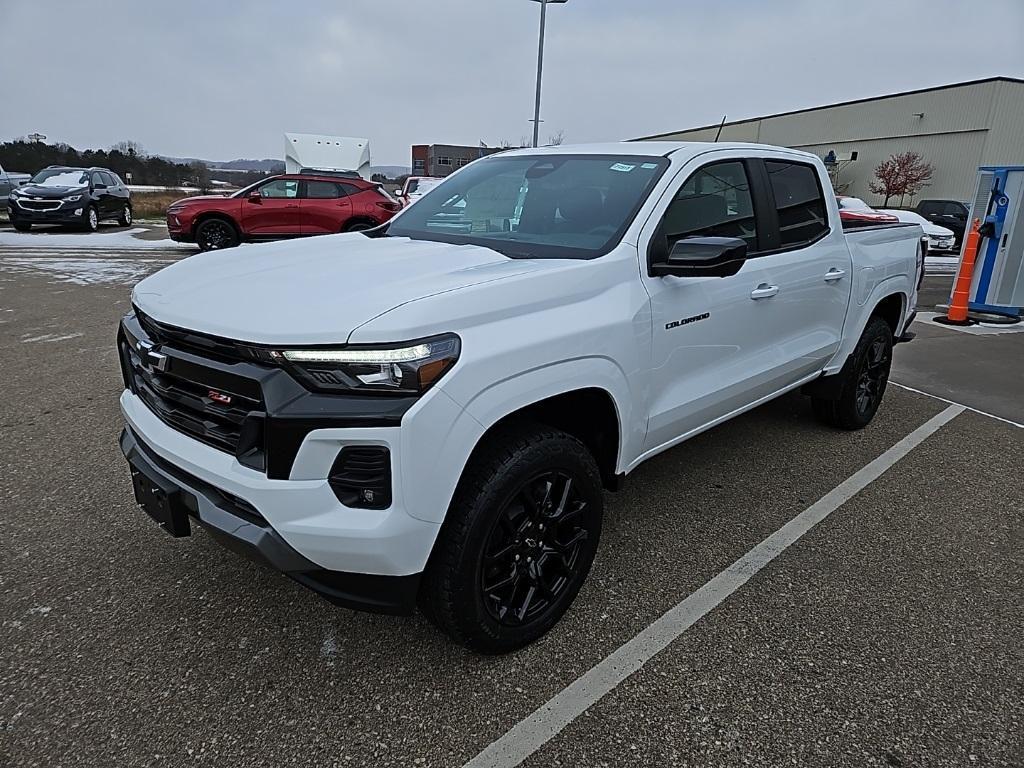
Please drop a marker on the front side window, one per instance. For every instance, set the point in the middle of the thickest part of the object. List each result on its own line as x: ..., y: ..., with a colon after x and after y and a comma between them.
x: 280, y: 188
x: 322, y: 190
x: 108, y: 179
x: 799, y: 201
x: 714, y: 202
x: 536, y: 206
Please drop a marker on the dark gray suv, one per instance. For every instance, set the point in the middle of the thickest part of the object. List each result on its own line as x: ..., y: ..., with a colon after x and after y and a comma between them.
x: 81, y: 197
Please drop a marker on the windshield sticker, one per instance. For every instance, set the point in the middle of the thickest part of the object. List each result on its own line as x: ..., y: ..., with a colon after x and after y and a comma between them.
x: 649, y: 166
x: 623, y: 167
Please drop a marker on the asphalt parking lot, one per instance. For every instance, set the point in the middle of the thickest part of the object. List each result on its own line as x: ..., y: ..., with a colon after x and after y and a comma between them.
x: 889, y: 633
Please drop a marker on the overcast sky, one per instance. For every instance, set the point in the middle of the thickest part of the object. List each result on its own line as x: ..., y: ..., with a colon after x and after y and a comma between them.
x: 223, y: 80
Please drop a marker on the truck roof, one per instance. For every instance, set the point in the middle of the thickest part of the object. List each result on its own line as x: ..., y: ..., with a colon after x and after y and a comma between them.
x: 650, y: 148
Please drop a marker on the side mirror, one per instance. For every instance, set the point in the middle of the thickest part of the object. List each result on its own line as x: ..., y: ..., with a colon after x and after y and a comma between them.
x: 254, y: 197
x: 701, y: 257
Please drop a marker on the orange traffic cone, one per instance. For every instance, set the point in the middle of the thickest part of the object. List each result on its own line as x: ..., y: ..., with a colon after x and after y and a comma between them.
x: 957, y: 313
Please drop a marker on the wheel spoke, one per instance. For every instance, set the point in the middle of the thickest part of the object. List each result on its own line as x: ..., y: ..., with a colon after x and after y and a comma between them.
x: 511, y: 579
x: 560, y: 509
x: 524, y: 607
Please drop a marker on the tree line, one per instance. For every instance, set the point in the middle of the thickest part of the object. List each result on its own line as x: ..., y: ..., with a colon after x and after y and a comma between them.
x: 123, y: 158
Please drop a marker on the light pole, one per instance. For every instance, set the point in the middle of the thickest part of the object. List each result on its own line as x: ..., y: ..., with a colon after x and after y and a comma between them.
x: 540, y: 64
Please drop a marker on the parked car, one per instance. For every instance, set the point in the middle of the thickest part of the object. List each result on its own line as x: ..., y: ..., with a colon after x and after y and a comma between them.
x: 854, y: 211
x: 81, y: 197
x: 290, y: 205
x: 939, y: 238
x: 431, y: 411
x: 416, y: 187
x: 9, y: 181
x: 951, y: 214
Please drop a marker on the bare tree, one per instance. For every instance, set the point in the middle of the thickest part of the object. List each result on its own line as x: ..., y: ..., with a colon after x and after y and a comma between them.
x: 556, y: 139
x: 129, y: 148
x: 902, y: 174
x: 200, y: 176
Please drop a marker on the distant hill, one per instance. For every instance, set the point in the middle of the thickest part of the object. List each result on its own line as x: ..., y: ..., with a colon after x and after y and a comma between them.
x: 391, y: 171
x: 266, y: 165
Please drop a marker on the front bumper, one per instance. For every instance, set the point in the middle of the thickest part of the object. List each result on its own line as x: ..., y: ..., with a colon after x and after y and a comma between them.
x: 67, y: 213
x: 241, y: 527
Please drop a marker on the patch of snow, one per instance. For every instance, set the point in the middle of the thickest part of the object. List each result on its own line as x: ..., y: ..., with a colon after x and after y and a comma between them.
x: 52, y: 337
x: 941, y: 265
x: 87, y: 271
x: 120, y: 240
x: 40, y: 610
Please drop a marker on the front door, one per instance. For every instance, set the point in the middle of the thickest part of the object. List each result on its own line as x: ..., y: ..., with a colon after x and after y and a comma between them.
x: 711, y: 350
x: 275, y: 211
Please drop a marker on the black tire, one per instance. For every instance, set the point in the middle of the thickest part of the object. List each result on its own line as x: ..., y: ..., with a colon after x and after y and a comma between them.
x: 216, y: 234
x: 22, y: 226
x: 864, y: 383
x: 91, y: 222
x: 358, y: 226
x: 525, y: 522
x: 125, y: 217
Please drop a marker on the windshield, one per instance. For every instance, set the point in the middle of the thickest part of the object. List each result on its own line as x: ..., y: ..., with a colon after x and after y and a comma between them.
x: 539, y: 206
x: 61, y: 177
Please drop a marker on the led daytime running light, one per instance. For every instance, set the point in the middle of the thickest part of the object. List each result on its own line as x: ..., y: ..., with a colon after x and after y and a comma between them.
x: 371, y: 356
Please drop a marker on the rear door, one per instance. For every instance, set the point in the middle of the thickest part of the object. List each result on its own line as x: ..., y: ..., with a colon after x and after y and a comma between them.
x: 275, y: 212
x: 325, y: 207
x: 810, y: 263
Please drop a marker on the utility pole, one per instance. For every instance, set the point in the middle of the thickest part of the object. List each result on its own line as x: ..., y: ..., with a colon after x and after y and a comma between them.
x: 540, y: 65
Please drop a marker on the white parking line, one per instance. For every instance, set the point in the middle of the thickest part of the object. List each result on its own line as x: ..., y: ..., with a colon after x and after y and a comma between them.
x: 954, y: 402
x: 529, y: 735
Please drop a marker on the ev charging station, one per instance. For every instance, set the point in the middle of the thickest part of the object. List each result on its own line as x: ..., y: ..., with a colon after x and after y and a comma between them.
x: 997, y: 283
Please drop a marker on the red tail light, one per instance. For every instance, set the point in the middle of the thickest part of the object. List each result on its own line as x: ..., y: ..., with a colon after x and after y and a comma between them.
x: 387, y: 205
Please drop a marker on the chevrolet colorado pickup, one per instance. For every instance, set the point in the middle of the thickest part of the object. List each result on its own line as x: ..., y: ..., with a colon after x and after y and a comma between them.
x: 428, y: 412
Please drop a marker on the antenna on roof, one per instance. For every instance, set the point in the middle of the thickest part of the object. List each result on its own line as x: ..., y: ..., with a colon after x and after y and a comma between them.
x: 720, y: 127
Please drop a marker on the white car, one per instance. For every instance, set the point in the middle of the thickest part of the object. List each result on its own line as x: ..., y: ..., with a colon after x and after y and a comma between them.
x: 429, y: 412
x: 416, y: 187
x: 939, y: 238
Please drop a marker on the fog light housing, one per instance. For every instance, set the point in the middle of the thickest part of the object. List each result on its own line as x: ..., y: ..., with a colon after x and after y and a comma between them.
x: 361, y: 476
x: 78, y: 211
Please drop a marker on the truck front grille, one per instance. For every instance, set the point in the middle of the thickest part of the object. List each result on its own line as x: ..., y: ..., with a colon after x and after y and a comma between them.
x: 193, y: 396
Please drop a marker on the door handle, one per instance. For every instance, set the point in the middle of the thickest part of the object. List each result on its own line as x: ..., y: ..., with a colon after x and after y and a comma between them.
x: 764, y: 291
x: 292, y: 205
x: 834, y: 274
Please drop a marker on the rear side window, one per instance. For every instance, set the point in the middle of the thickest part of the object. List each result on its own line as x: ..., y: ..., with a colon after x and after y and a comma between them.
x: 108, y: 179
x: 799, y: 201
x: 714, y: 202
x: 322, y: 190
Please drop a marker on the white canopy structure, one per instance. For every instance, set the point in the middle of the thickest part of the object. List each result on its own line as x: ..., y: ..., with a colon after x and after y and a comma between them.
x: 308, y: 151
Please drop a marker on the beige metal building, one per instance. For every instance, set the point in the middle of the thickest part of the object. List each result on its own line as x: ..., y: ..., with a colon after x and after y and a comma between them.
x: 954, y: 127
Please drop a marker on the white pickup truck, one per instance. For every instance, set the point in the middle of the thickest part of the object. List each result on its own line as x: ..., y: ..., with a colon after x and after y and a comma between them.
x: 429, y: 412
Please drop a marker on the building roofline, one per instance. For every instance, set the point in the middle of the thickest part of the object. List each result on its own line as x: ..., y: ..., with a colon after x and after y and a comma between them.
x: 836, y: 104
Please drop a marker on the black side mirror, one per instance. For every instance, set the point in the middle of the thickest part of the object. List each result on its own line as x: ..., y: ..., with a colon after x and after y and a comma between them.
x: 702, y: 257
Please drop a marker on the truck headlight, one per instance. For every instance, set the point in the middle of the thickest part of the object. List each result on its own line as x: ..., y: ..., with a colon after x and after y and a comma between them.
x: 408, y: 368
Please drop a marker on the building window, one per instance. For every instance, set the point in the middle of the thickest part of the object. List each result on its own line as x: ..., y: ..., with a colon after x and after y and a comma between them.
x: 443, y: 161
x: 419, y: 165
x: 464, y: 161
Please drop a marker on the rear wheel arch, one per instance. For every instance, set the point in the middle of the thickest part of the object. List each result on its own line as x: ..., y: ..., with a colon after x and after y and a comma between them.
x: 891, y: 309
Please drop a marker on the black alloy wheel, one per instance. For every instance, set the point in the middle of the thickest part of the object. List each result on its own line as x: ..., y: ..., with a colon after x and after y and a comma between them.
x: 533, y: 551
x: 874, y: 375
x: 216, y: 234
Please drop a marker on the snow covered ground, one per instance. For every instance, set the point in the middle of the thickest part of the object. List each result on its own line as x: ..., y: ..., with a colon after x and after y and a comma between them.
x: 120, y: 240
x: 85, y: 271
x: 941, y: 265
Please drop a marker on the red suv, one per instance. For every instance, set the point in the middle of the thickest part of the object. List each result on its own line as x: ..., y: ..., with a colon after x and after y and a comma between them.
x: 292, y: 205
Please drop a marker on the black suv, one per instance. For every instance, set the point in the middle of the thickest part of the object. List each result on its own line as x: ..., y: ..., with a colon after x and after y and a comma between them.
x: 81, y: 197
x: 951, y: 214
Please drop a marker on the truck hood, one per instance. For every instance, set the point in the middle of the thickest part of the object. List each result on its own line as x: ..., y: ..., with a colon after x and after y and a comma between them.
x: 315, y: 291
